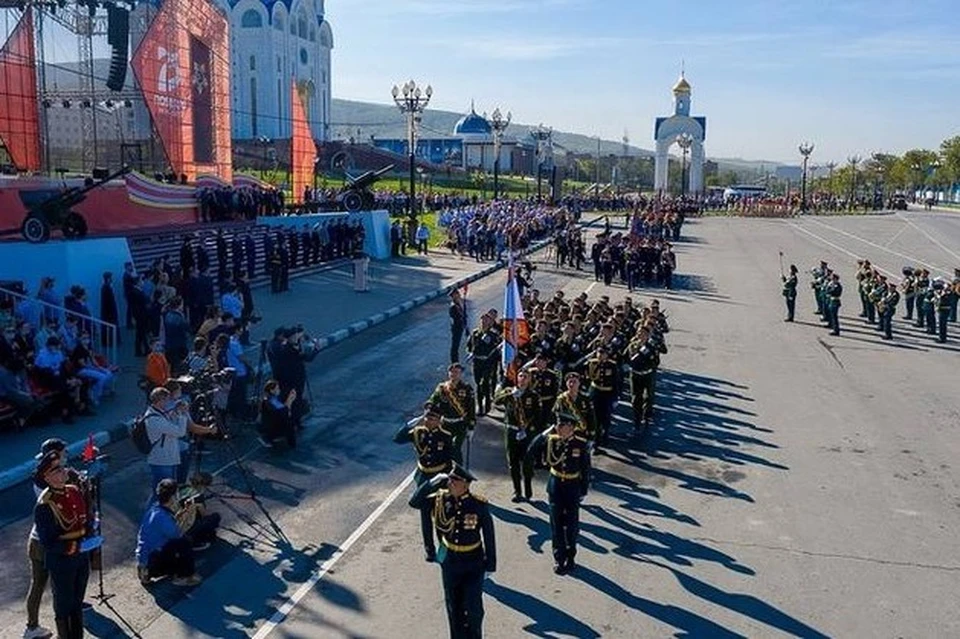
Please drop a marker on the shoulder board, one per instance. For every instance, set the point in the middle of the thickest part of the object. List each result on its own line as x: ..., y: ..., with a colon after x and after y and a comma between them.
x: 44, y: 497
x: 481, y: 498
x: 445, y: 431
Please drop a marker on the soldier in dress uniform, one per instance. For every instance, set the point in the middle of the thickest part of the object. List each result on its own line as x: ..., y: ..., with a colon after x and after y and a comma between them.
x: 909, y: 289
x: 66, y: 534
x: 888, y: 308
x: 567, y: 457
x: 643, y: 360
x: 833, y: 290
x: 484, y: 347
x: 546, y: 384
x: 434, y: 447
x: 521, y: 407
x: 458, y: 323
x: 604, y: 379
x: 922, y: 288
x: 955, y: 298
x: 790, y: 292
x: 575, y: 402
x: 942, y: 302
x: 468, y: 547
x: 455, y: 400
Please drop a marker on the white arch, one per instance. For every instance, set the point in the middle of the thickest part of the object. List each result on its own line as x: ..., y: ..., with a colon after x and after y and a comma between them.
x: 667, y: 134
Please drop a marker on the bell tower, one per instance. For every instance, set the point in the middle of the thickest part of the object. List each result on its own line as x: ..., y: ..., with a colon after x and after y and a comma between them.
x: 681, y: 97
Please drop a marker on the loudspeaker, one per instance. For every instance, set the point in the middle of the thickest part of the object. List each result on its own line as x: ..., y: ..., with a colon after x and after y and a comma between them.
x: 118, y: 37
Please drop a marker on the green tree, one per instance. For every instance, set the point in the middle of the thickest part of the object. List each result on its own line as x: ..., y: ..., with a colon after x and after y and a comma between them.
x: 917, y: 164
x: 950, y: 158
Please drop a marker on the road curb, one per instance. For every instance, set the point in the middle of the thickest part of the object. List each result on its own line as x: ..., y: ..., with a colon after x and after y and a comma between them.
x: 22, y: 472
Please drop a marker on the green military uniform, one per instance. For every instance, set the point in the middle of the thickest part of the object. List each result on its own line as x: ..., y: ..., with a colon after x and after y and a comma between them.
x: 568, y: 460
x: 459, y: 410
x: 546, y: 384
x: 790, y: 294
x: 581, y: 409
x: 522, y: 413
x: 467, y: 549
x: 604, y: 379
x: 434, y: 448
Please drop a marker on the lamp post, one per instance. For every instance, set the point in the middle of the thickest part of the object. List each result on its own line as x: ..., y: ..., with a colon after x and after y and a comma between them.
x: 805, y: 150
x: 935, y: 165
x: 264, y: 142
x: 412, y: 101
x: 685, y: 141
x: 854, y: 160
x: 499, y: 124
x: 541, y: 134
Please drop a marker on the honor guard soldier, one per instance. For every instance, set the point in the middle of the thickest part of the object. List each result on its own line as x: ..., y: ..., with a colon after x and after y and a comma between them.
x: 576, y: 403
x: 604, y: 385
x: 484, y: 347
x: 790, y: 292
x: 567, y: 457
x: 943, y: 300
x: 521, y: 407
x: 455, y: 400
x: 65, y: 532
x: 467, y: 549
x: 434, y: 448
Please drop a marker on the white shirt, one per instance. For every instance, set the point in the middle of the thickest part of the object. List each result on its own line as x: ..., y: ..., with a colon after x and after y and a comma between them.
x: 164, y: 431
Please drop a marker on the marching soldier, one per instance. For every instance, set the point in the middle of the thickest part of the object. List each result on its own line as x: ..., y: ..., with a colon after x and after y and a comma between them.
x: 943, y: 302
x: 545, y: 382
x: 522, y: 411
x: 604, y: 386
x: 567, y: 457
x: 790, y: 292
x: 483, y: 345
x: 434, y: 448
x: 468, y: 546
x: 573, y: 401
x: 65, y: 532
x: 454, y: 399
x: 643, y: 361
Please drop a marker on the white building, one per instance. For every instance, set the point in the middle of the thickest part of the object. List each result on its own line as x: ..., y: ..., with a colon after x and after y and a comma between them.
x: 272, y: 42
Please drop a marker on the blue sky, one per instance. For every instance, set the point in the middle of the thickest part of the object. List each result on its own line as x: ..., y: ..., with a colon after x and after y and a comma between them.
x: 849, y: 76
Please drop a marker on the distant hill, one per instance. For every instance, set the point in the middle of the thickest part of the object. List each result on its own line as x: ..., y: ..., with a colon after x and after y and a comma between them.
x: 385, y: 121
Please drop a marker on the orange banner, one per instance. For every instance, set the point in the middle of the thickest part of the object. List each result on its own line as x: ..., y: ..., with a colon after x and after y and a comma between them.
x: 19, y: 116
x: 183, y: 68
x: 303, y: 151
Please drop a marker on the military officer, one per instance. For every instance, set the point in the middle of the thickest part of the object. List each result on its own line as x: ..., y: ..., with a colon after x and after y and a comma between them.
x: 484, y: 347
x: 790, y: 292
x: 454, y: 399
x: 567, y: 457
x: 819, y: 276
x: 643, y: 360
x: 888, y: 308
x: 522, y: 411
x: 943, y: 302
x: 833, y: 291
x: 909, y: 290
x: 66, y: 534
x: 922, y: 279
x: 955, y: 298
x: 545, y: 382
x: 467, y: 549
x: 604, y: 387
x: 434, y: 448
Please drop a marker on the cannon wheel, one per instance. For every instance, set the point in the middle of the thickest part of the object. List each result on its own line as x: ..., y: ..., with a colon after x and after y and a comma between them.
x: 35, y: 229
x: 353, y: 201
x: 74, y: 226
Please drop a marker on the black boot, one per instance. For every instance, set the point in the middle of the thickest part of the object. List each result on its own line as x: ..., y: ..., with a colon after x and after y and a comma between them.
x: 63, y: 628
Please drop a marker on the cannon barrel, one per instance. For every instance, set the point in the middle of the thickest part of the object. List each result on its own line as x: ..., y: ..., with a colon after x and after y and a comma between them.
x: 72, y: 196
x: 367, y: 179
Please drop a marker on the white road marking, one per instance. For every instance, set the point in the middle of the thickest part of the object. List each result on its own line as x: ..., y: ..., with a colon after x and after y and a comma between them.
x: 325, y: 567
x: 590, y: 288
x: 834, y: 246
x: 929, y: 237
x: 899, y: 233
x: 882, y: 248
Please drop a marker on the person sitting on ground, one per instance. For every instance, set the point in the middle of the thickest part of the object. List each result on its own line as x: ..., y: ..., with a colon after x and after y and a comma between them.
x: 275, y: 414
x: 163, y: 548
x: 157, y: 371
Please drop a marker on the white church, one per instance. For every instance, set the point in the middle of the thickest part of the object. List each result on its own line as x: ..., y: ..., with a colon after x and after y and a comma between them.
x: 272, y: 42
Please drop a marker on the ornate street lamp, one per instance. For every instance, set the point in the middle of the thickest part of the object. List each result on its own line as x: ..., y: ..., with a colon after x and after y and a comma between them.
x: 542, y: 135
x: 412, y: 101
x: 805, y: 150
x: 499, y: 124
x: 684, y: 140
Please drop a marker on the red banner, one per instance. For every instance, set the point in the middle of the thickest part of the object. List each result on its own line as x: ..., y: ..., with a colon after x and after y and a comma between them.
x: 302, y: 148
x: 183, y: 68
x: 19, y: 116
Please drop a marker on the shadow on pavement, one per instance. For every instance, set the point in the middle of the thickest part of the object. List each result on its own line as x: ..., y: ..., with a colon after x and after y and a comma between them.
x: 548, y: 620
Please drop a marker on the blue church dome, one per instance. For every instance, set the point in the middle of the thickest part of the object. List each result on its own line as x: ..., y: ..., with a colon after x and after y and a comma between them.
x: 472, y: 124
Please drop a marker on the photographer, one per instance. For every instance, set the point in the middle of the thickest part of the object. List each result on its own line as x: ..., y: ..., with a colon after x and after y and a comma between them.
x: 276, y: 415
x: 163, y: 547
x: 180, y: 407
x: 289, y: 367
x: 167, y: 422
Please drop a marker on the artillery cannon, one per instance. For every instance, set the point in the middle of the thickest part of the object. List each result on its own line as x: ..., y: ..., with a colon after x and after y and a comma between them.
x: 356, y: 195
x: 48, y: 210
